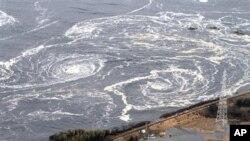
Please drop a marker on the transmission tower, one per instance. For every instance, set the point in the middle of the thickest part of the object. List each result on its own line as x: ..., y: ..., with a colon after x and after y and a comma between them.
x: 221, y: 119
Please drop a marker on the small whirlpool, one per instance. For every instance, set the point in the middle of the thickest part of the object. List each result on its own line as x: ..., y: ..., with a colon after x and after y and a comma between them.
x: 41, y: 66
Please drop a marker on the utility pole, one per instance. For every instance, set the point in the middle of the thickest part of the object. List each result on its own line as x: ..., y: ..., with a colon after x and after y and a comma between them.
x: 221, y: 119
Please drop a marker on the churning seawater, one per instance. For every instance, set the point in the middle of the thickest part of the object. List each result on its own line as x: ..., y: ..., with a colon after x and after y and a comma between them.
x: 102, y: 63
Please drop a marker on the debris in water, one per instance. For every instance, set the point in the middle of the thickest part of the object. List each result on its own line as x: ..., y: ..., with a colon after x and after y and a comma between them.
x: 213, y: 28
x: 192, y: 28
x: 239, y: 32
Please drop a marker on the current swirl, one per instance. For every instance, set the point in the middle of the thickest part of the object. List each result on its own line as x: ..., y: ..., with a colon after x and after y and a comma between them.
x: 174, y: 66
x: 42, y: 66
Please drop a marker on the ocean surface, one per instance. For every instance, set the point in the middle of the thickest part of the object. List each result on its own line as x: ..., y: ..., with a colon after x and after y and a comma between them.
x: 103, y: 63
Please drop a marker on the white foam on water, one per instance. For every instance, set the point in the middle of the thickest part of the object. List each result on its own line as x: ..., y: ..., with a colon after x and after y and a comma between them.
x: 150, y: 84
x: 6, y: 19
x: 74, y: 69
x: 177, y: 81
x: 61, y: 71
x: 5, y: 67
x: 48, y: 116
x: 43, y: 12
x: 24, y: 54
x: 185, y: 76
x: 83, y: 30
x: 53, y: 68
x: 158, y: 85
x: 203, y: 1
x: 124, y: 116
x: 40, y: 27
x: 92, y: 100
x: 216, y: 59
x: 12, y: 101
x: 94, y: 27
x: 74, y: 66
x: 141, y: 8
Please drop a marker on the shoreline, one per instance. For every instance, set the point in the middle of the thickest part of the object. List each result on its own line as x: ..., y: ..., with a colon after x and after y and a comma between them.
x: 184, y: 117
x: 200, y: 116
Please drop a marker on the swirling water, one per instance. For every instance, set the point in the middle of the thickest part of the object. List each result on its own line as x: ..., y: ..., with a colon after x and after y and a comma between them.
x: 98, y: 64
